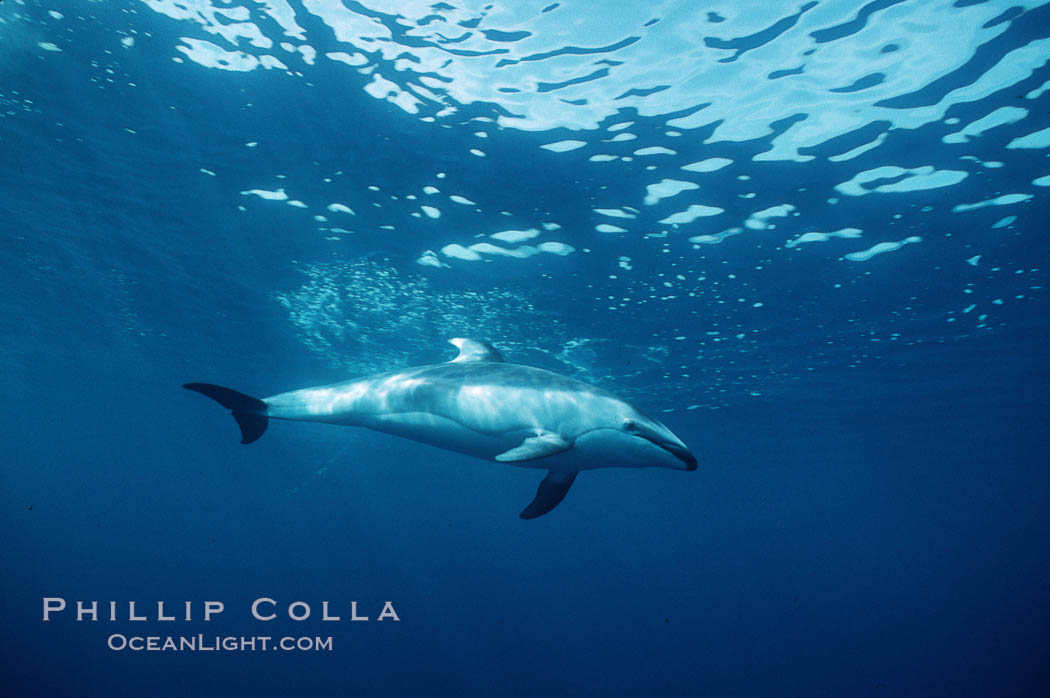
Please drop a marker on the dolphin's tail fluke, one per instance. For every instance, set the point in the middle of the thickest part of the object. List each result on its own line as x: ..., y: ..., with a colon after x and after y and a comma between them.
x: 250, y: 412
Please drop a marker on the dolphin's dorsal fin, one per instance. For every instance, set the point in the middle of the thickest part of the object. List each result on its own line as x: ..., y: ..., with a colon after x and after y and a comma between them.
x: 544, y: 444
x: 550, y: 493
x: 473, y: 350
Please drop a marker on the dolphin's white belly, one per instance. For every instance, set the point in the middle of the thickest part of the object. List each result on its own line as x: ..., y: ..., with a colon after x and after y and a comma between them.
x: 600, y: 448
x: 440, y: 431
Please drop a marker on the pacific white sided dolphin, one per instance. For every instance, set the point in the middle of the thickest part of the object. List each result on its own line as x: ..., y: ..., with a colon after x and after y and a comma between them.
x: 479, y: 405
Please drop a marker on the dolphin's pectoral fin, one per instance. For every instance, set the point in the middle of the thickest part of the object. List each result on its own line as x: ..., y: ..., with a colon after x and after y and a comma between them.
x: 473, y: 350
x: 550, y: 493
x: 539, y: 446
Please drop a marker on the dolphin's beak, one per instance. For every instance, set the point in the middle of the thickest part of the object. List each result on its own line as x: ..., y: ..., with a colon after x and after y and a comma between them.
x: 678, y: 450
x: 681, y: 453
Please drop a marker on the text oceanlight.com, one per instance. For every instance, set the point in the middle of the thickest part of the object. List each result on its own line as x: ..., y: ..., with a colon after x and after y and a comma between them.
x: 216, y: 643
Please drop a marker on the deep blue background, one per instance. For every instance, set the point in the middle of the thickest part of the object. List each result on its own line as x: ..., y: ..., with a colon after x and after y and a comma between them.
x: 873, y: 521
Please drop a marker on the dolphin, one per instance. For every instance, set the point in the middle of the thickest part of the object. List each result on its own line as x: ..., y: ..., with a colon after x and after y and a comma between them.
x: 481, y: 406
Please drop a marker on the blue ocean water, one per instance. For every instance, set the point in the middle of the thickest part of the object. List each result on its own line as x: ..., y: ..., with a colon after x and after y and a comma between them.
x: 809, y: 237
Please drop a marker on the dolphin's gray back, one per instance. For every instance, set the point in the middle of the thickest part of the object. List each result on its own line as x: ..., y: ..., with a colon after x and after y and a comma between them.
x: 484, y: 397
x: 445, y: 388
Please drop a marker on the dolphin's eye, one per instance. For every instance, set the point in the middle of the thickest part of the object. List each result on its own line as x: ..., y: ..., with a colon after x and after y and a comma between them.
x: 630, y: 425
